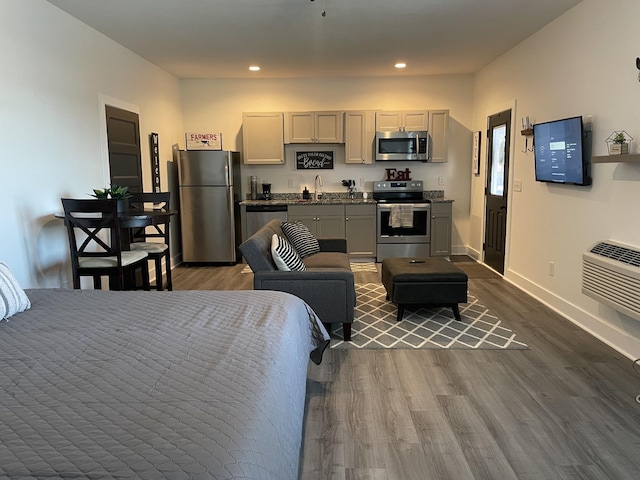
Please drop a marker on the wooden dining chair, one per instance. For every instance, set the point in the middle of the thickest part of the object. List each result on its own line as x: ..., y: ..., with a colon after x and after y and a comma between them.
x: 153, y: 239
x: 95, y: 243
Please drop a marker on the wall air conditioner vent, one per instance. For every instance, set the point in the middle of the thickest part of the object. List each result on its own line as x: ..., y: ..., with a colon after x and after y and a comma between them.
x: 611, y: 275
x: 617, y: 252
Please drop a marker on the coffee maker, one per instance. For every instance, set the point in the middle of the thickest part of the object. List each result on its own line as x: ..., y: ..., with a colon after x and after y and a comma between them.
x: 266, y: 191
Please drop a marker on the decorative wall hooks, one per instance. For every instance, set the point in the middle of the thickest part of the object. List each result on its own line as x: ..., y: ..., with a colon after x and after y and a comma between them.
x: 527, y: 132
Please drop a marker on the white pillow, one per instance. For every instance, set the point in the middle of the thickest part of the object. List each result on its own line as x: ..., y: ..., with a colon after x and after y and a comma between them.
x: 301, y: 238
x: 12, y: 297
x: 284, y: 255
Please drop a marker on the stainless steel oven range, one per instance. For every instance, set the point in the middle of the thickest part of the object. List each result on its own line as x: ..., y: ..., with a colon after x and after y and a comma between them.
x: 403, y: 219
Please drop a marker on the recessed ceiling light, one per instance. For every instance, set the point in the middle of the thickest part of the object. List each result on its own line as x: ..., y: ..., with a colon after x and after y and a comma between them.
x: 254, y: 68
x: 400, y: 65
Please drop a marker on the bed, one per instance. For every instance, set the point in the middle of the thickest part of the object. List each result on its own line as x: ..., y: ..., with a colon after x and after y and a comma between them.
x: 182, y: 384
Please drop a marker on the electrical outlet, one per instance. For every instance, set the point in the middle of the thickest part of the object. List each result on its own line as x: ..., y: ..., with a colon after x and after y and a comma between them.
x: 551, y: 268
x: 362, y: 182
x: 440, y: 180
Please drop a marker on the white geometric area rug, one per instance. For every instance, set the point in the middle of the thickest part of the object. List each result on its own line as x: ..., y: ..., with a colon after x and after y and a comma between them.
x: 375, y: 326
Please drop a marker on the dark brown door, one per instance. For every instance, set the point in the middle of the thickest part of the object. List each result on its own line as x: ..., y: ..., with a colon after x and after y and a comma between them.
x: 498, y: 141
x: 123, y: 134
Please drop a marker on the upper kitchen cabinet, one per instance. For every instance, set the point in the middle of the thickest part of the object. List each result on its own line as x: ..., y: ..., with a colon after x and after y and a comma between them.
x: 438, y: 129
x: 358, y: 137
x: 262, y: 138
x: 313, y: 127
x: 400, y: 121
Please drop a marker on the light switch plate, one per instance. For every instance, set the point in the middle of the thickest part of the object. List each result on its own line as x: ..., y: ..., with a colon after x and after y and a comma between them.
x: 517, y: 185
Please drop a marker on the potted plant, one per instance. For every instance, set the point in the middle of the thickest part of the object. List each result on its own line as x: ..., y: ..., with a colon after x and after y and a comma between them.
x: 121, y: 194
x: 618, y: 142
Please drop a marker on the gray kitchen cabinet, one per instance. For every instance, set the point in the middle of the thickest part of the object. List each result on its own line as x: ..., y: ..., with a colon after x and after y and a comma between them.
x: 324, y: 221
x: 314, y: 127
x: 441, y: 224
x: 262, y: 138
x: 360, y: 228
x: 438, y: 130
x: 358, y: 137
x: 407, y: 120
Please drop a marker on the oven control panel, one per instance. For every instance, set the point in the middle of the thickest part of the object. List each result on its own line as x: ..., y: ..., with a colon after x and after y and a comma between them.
x: 398, y: 186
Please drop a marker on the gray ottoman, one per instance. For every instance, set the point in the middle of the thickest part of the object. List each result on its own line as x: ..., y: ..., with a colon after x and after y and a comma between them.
x: 431, y: 281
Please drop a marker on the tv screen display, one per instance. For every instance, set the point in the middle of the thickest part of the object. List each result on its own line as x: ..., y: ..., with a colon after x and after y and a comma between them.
x: 559, y: 152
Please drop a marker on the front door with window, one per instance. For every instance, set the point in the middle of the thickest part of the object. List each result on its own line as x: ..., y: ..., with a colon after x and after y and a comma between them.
x: 498, y: 141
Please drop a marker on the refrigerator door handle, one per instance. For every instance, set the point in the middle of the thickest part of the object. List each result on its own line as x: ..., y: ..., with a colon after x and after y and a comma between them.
x: 230, y: 213
x: 227, y: 173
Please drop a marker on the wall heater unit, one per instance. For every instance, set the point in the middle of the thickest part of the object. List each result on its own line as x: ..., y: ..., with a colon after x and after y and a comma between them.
x: 611, y: 275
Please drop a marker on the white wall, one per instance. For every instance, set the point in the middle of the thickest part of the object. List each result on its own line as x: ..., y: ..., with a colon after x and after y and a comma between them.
x: 217, y: 105
x: 581, y: 64
x: 55, y: 71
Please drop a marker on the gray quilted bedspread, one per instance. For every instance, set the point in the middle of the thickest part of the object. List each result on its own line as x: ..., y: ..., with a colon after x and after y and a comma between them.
x: 189, y: 384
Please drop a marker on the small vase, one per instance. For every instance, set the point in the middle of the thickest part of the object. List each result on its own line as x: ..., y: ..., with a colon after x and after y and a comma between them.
x: 123, y: 205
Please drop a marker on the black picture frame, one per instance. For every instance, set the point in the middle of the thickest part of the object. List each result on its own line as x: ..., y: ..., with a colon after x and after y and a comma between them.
x: 315, y: 159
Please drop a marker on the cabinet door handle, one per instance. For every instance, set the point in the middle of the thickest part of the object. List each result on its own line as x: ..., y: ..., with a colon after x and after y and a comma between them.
x: 347, y: 219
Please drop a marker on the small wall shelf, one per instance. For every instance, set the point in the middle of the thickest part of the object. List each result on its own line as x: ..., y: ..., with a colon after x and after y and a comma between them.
x: 623, y: 158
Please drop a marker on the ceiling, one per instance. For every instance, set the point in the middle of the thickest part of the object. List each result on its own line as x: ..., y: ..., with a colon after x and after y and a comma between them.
x: 292, y: 39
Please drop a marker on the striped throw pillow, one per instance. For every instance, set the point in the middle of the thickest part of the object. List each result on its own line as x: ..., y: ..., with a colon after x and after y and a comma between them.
x: 12, y: 297
x: 301, y: 238
x: 284, y: 255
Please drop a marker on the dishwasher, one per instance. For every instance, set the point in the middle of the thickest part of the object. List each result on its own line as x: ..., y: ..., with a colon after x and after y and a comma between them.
x: 258, y: 215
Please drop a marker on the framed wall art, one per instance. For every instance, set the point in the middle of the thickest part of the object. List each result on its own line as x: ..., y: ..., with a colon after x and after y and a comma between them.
x: 314, y: 159
x: 475, y: 160
x: 155, y: 161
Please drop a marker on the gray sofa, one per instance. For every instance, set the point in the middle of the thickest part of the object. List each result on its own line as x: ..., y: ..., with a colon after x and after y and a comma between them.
x: 327, y: 285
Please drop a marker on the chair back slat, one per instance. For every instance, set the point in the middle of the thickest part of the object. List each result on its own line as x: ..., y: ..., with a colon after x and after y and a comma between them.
x: 160, y: 201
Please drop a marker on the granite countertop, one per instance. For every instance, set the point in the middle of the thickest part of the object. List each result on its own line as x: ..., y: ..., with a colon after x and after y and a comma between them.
x: 333, y: 198
x: 440, y: 200
x: 299, y: 201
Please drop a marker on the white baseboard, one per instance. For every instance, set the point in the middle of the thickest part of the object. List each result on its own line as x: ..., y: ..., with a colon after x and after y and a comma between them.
x: 609, y: 334
x: 603, y: 331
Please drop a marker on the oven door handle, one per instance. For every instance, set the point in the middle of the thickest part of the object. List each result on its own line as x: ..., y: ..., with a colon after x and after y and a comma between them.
x: 387, y: 207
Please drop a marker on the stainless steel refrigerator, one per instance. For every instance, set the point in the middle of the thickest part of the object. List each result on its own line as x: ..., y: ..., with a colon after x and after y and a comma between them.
x: 209, y: 212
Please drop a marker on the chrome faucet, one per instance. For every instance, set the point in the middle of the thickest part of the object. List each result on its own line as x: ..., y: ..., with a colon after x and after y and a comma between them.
x: 317, y: 183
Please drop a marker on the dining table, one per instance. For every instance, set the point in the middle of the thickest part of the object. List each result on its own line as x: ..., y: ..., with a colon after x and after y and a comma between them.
x: 132, y: 218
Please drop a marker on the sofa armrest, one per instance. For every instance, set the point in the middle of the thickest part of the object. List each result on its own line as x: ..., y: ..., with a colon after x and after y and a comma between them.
x: 312, y: 275
x: 329, y: 292
x: 333, y: 244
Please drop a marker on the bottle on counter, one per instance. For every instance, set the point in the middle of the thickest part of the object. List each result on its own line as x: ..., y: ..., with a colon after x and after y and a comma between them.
x: 254, y: 187
x: 305, y: 194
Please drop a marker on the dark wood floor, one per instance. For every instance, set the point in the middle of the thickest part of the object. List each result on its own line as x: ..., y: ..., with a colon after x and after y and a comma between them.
x: 564, y: 409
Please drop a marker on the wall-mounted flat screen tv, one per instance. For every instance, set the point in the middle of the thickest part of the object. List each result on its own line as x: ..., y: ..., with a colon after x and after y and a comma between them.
x: 560, y: 152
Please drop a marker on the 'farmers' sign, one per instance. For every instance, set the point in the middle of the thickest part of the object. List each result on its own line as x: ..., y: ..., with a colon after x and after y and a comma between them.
x: 314, y: 160
x: 203, y: 141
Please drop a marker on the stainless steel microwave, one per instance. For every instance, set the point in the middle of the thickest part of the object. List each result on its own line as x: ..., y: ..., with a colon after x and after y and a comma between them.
x: 402, y: 146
